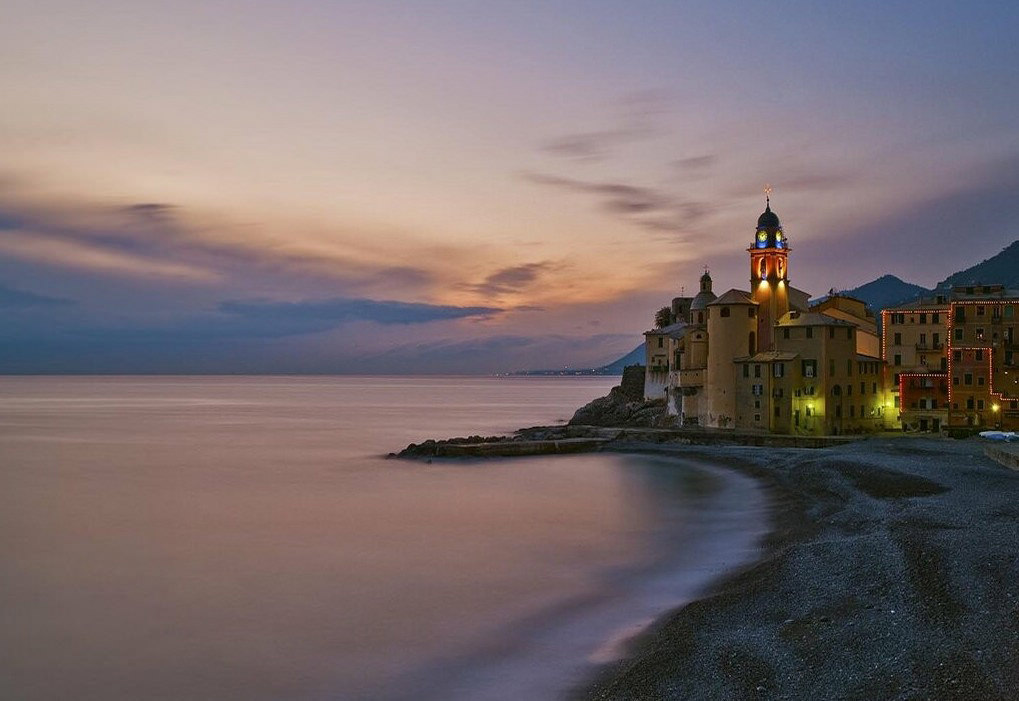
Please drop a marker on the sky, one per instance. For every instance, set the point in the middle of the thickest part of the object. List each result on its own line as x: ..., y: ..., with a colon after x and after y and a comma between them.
x: 464, y: 187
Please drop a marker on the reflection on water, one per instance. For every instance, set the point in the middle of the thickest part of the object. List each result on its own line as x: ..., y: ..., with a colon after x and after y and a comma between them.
x: 244, y: 538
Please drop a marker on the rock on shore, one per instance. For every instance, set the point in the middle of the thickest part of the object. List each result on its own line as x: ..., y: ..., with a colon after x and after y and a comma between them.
x: 623, y: 406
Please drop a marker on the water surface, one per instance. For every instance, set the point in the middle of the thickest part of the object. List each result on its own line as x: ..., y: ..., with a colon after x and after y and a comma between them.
x: 244, y: 538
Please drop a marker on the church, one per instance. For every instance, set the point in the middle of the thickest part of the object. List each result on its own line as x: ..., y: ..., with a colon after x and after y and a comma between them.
x: 766, y: 358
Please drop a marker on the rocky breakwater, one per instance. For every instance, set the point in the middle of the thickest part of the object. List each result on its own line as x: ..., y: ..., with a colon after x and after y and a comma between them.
x: 623, y: 406
x: 540, y: 440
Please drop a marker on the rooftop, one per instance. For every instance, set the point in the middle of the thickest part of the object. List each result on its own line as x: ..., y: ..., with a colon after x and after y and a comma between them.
x: 734, y: 296
x: 811, y: 319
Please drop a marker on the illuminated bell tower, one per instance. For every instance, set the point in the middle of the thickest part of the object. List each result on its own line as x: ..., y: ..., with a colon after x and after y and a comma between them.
x: 769, y: 275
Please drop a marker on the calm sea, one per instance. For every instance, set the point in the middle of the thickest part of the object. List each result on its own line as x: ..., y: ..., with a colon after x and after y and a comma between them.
x: 244, y: 538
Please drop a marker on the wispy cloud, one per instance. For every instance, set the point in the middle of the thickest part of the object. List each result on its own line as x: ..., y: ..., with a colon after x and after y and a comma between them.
x: 637, y: 120
x: 55, y: 250
x: 340, y: 310
x: 697, y: 164
x: 511, y: 279
x: 11, y: 297
x: 647, y: 207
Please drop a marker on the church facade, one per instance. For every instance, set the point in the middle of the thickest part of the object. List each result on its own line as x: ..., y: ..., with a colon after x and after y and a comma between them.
x: 764, y: 358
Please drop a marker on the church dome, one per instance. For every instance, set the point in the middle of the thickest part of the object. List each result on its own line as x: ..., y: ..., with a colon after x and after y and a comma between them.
x: 702, y: 300
x: 768, y: 219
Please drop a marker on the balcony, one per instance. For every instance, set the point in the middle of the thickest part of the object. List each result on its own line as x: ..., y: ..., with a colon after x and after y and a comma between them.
x: 930, y: 346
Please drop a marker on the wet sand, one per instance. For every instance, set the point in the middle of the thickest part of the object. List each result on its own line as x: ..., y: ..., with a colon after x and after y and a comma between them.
x: 892, y: 572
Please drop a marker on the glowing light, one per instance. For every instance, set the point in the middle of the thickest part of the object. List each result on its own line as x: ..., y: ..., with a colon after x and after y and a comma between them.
x: 995, y: 407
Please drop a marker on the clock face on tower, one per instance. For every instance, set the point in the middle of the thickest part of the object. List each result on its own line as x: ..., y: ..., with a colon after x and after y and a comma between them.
x: 762, y: 239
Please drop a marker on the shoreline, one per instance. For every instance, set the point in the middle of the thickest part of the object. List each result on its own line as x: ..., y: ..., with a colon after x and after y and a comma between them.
x: 887, y: 573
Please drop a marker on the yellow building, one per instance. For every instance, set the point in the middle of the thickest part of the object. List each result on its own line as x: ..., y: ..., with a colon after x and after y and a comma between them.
x: 764, y: 360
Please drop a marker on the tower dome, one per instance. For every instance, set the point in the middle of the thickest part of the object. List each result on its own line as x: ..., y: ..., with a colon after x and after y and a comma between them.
x: 705, y: 296
x: 768, y: 219
x: 768, y: 233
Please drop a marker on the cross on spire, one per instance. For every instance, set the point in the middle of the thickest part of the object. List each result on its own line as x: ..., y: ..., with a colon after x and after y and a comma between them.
x: 767, y: 194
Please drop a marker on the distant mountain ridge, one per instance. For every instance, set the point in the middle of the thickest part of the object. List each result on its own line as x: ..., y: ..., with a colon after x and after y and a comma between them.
x: 886, y: 291
x: 1002, y: 268
x: 634, y: 357
x: 889, y: 290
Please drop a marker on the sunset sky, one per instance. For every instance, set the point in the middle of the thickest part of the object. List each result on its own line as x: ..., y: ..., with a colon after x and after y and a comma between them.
x: 472, y: 186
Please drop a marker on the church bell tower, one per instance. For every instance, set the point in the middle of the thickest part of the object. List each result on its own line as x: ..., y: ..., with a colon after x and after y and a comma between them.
x: 769, y: 275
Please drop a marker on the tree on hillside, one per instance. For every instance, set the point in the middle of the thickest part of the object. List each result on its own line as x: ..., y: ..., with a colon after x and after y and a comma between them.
x: 663, y: 317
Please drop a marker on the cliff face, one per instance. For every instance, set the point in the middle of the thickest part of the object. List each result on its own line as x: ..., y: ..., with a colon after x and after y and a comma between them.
x: 623, y: 406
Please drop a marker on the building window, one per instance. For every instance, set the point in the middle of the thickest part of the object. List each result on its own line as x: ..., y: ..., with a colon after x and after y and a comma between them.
x: 757, y: 370
x: 863, y: 388
x: 852, y: 411
x: 957, y: 355
x: 955, y: 380
x: 898, y: 359
x: 700, y: 317
x: 785, y: 333
x: 757, y: 417
x: 746, y: 370
x: 831, y: 332
x: 751, y: 312
x: 849, y: 333
x: 898, y: 339
x: 969, y: 403
x: 980, y: 310
x: 923, y: 318
x: 935, y: 318
x: 810, y: 411
x: 724, y: 312
x: 849, y: 368
x: 980, y: 354
x: 809, y: 368
x: 980, y: 404
x: 661, y: 341
x: 895, y: 402
x: 967, y: 378
x: 751, y: 343
x: 980, y: 380
x: 873, y: 388
x: 980, y: 334
x: 779, y: 370
x: 960, y: 314
x: 777, y: 411
x: 810, y: 332
x: 831, y: 367
x: 849, y: 390
x: 957, y: 333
